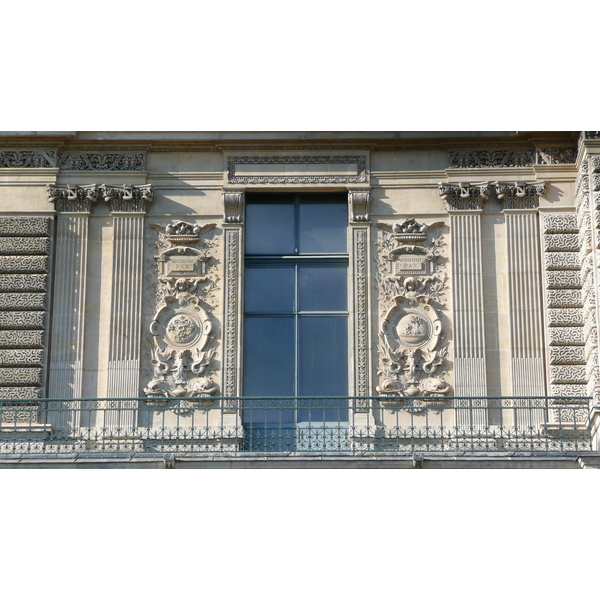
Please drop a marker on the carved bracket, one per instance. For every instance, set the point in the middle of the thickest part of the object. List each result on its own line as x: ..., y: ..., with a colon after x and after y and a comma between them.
x: 233, y: 206
x: 359, y: 201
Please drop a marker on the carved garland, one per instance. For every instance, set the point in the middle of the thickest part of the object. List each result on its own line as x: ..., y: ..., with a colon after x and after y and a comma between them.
x: 412, y: 348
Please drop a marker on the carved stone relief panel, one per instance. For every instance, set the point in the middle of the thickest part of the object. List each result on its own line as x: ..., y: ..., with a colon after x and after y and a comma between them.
x: 412, y: 342
x: 183, y: 327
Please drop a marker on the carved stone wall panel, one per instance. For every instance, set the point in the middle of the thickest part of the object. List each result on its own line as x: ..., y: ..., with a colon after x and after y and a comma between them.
x: 102, y: 161
x: 556, y: 155
x: 559, y: 223
x: 25, y: 226
x: 23, y: 283
x: 22, y: 319
x: 19, y: 301
x: 24, y: 245
x: 471, y: 159
x: 20, y: 393
x: 567, y: 374
x: 10, y: 376
x: 27, y: 159
x: 568, y: 390
x: 567, y: 355
x: 21, y: 358
x: 21, y: 338
x: 566, y: 336
x: 559, y: 280
x: 24, y: 264
x: 564, y: 298
x: 562, y: 261
x: 565, y: 317
x: 561, y: 242
x: 232, y: 307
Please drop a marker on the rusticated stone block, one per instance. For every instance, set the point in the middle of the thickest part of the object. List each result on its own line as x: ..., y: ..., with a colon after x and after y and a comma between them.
x: 565, y: 317
x: 23, y: 283
x: 22, y: 338
x: 560, y: 223
x: 567, y: 355
x: 590, y: 345
x: 567, y: 374
x: 13, y: 376
x: 562, y: 261
x: 23, y: 264
x: 560, y: 280
x: 22, y: 319
x: 561, y: 242
x: 25, y: 226
x: 21, y: 357
x: 564, y: 298
x: 22, y: 301
x: 20, y: 393
x: 25, y: 245
x: 566, y: 336
x: 568, y: 390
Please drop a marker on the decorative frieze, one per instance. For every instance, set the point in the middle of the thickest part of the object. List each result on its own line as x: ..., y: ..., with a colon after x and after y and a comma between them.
x: 127, y: 198
x: 24, y: 245
x: 294, y: 169
x: 472, y: 159
x: 556, y: 155
x: 23, y: 283
x: 21, y: 338
x: 519, y: 195
x: 24, y: 264
x: 233, y: 206
x: 17, y: 376
x: 359, y: 201
x: 102, y: 161
x: 27, y: 159
x: 559, y: 223
x: 21, y: 358
x: 567, y: 355
x: 22, y: 319
x: 22, y: 301
x: 25, y: 227
x: 561, y: 261
x: 464, y: 196
x: 182, y: 329
x: 412, y: 344
x: 73, y: 198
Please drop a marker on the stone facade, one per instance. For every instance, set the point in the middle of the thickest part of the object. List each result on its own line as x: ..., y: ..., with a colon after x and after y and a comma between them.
x: 473, y: 268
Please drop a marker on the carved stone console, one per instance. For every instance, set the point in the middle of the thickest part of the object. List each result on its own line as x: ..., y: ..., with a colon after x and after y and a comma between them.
x: 182, y: 329
x: 412, y: 343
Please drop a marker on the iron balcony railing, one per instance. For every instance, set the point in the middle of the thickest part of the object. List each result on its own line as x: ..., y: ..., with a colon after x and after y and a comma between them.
x: 345, y: 425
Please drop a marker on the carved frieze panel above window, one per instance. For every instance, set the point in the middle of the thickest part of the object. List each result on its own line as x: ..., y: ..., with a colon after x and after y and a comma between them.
x: 470, y: 159
x: 297, y: 169
x: 412, y: 343
x: 520, y: 194
x: 73, y: 198
x: 183, y: 328
x: 102, y: 161
x: 27, y: 159
x: 464, y: 196
x: 556, y: 155
x: 127, y: 198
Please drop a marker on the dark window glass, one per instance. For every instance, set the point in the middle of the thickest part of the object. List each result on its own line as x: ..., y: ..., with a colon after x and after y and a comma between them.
x: 270, y: 289
x: 322, y: 227
x: 270, y: 228
x: 322, y: 287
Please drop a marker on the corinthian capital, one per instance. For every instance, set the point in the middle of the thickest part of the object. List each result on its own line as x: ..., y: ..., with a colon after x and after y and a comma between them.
x: 127, y: 198
x: 73, y: 198
x: 464, y: 196
x: 520, y: 194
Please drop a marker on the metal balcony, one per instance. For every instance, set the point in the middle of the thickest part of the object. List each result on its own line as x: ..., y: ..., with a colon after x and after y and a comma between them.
x: 546, y: 426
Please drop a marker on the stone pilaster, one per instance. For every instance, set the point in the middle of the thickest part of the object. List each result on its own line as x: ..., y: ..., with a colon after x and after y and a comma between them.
x: 73, y: 205
x: 464, y: 203
x: 128, y: 205
x: 520, y: 201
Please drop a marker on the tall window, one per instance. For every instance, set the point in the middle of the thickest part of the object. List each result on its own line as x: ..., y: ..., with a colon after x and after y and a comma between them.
x: 296, y: 309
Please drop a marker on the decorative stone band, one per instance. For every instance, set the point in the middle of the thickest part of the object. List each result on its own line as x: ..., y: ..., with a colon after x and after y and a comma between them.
x: 520, y: 194
x: 27, y: 159
x: 464, y: 196
x: 512, y: 157
x: 359, y: 201
x: 233, y: 206
x: 127, y: 198
x: 73, y: 198
x: 102, y: 161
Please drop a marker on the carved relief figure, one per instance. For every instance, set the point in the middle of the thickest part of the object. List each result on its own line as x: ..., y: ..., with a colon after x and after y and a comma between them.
x: 182, y: 329
x: 412, y: 349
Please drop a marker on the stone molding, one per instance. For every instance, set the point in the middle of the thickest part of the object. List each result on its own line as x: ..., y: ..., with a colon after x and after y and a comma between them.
x: 102, y: 161
x: 27, y: 159
x: 73, y: 198
x: 233, y: 206
x: 464, y: 196
x: 519, y: 195
x: 359, y: 201
x: 306, y: 161
x: 127, y: 198
x: 231, y: 311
